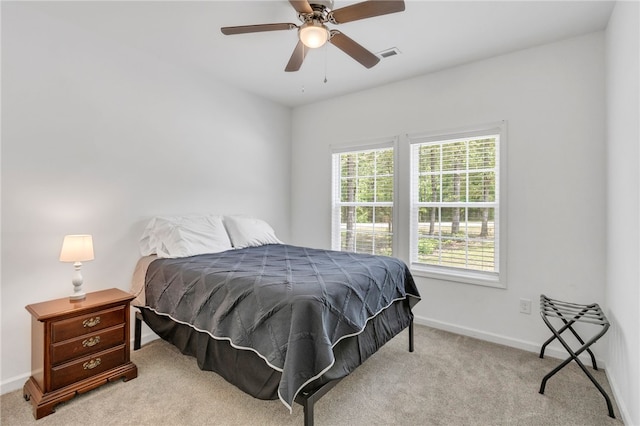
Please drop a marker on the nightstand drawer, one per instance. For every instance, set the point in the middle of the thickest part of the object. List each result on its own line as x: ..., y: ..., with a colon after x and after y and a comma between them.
x: 87, y: 344
x: 85, y: 324
x: 88, y: 366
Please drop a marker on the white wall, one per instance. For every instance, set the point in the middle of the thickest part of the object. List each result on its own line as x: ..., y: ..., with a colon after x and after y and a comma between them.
x: 623, y: 201
x: 97, y: 138
x: 553, y: 100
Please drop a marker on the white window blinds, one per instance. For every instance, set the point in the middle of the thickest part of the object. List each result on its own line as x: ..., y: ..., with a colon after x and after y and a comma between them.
x: 363, y: 197
x: 455, y: 206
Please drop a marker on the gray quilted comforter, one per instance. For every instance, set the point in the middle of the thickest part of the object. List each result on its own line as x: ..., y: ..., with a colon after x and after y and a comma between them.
x: 288, y: 304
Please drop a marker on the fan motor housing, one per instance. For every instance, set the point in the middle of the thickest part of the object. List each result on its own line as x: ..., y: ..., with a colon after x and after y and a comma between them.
x: 321, y: 12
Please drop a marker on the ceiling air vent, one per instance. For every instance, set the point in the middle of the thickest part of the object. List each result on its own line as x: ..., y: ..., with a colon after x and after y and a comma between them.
x: 388, y: 53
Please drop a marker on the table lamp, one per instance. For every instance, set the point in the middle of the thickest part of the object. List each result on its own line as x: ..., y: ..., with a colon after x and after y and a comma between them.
x: 77, y: 249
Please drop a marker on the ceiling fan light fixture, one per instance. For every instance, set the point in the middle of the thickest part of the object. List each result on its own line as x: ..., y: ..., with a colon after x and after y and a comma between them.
x: 313, y: 34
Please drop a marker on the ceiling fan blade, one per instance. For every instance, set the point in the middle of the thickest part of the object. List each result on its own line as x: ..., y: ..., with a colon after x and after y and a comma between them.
x: 353, y: 49
x: 301, y: 6
x: 366, y: 9
x: 295, y: 62
x: 243, y: 29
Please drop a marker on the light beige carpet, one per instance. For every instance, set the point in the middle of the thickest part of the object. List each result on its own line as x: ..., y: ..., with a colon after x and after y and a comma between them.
x: 448, y: 380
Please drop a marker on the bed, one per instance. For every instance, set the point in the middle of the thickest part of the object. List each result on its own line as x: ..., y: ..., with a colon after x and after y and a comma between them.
x: 276, y: 320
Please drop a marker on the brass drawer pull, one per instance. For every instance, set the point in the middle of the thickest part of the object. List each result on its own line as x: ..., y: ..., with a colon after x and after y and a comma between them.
x: 91, y: 364
x: 91, y: 322
x: 87, y: 343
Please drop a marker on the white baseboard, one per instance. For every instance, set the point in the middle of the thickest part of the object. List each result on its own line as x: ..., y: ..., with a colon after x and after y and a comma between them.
x: 619, y: 402
x: 14, y: 383
x: 550, y: 351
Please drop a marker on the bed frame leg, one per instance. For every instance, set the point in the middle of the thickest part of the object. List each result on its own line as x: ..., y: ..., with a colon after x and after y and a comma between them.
x: 308, y: 399
x: 137, y: 337
x: 308, y: 413
x: 411, y: 336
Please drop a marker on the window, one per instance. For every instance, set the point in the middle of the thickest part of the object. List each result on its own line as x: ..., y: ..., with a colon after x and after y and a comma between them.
x: 455, y: 206
x: 363, y: 199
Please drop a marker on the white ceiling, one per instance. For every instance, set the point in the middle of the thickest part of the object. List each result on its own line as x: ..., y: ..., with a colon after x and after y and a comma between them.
x: 431, y: 35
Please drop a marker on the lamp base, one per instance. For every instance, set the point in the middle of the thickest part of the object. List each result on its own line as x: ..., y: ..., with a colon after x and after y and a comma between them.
x: 77, y: 296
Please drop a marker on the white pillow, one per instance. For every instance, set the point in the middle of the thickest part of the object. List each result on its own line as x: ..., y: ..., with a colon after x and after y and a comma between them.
x: 249, y: 232
x: 147, y: 241
x: 183, y: 236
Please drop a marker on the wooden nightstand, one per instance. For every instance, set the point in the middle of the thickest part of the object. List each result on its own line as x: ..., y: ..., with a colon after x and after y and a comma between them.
x: 77, y: 346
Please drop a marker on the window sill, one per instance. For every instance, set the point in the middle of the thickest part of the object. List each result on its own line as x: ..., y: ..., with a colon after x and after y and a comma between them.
x: 458, y: 276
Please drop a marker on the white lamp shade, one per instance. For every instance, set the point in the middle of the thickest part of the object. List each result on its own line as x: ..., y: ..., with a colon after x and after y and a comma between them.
x: 313, y: 35
x: 77, y: 248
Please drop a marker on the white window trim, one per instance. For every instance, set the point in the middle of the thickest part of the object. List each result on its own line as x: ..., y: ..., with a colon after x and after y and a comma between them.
x: 371, y: 144
x: 498, y: 279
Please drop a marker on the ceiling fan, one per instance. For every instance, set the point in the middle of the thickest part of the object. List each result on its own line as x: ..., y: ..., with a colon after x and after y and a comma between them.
x: 313, y: 32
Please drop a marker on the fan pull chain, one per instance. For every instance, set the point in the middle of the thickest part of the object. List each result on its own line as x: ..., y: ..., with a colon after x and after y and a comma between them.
x: 325, y: 63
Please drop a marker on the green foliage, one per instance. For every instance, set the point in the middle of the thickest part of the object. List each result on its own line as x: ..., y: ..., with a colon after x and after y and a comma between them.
x: 427, y: 246
x: 367, y: 176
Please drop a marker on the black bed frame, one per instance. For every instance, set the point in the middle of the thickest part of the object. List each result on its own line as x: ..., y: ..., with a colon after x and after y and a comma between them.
x: 306, y: 399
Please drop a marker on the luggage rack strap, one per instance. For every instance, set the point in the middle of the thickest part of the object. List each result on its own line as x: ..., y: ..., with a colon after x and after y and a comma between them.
x: 572, y: 311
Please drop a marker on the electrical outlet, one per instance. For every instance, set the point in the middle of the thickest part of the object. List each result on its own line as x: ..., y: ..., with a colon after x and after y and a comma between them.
x: 525, y: 306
